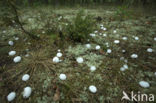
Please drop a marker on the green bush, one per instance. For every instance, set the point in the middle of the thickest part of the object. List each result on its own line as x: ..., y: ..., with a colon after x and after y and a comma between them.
x: 123, y: 12
x: 79, y: 29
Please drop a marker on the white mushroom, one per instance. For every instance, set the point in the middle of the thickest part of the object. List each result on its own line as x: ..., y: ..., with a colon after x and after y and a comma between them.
x: 144, y: 84
x: 25, y: 77
x: 136, y: 38
x: 104, y: 35
x: 122, y: 69
x: 88, y: 46
x: 11, y: 53
x: 124, y: 38
x: 16, y: 38
x: 97, y: 47
x: 11, y: 43
x: 62, y: 76
x: 11, y: 96
x: 114, y: 31
x: 59, y: 50
x: 92, y: 68
x: 59, y: 55
x: 149, y: 50
x: 27, y: 92
x: 116, y: 41
x: 56, y: 60
x: 17, y: 59
x: 123, y: 51
x: 92, y: 89
x: 134, y: 56
x: 92, y: 35
x: 109, y: 50
x: 79, y: 60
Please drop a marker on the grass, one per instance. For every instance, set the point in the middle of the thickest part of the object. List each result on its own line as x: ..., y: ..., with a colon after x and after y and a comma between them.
x: 109, y: 80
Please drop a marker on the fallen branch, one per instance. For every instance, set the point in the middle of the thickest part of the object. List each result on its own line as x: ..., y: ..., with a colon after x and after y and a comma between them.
x: 18, y: 21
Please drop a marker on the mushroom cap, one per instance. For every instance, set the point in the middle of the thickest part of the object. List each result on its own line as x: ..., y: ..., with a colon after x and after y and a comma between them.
x: 124, y: 38
x: 97, y: 47
x: 109, y: 50
x: 88, y: 45
x: 11, y: 43
x: 92, y: 89
x: 92, y: 68
x: 62, y: 77
x: 134, y: 56
x: 25, y: 77
x: 136, y: 38
x: 11, y: 96
x: 27, y: 92
x: 79, y: 60
x: 116, y: 41
x: 144, y: 84
x: 149, y: 50
x: 11, y: 53
x: 17, y: 59
x: 56, y: 60
x: 59, y: 54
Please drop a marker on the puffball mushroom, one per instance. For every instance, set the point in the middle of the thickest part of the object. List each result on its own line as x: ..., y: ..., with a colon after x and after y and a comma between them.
x: 124, y: 38
x: 134, y: 56
x: 11, y: 43
x: 56, y: 60
x: 27, y: 55
x: 92, y: 35
x: 116, y: 41
x: 11, y: 96
x: 109, y: 50
x: 59, y: 50
x: 123, y: 51
x: 104, y: 35
x: 92, y: 89
x: 124, y: 67
x: 27, y: 92
x: 95, y: 31
x: 17, y: 59
x: 136, y: 38
x: 149, y: 50
x: 11, y: 53
x: 25, y: 77
x: 59, y: 54
x: 155, y: 73
x: 114, y: 31
x: 4, y: 31
x: 88, y: 46
x: 79, y: 60
x: 97, y: 47
x: 144, y: 84
x: 103, y: 28
x: 154, y: 38
x: 16, y: 38
x: 92, y: 68
x: 101, y: 25
x: 62, y: 77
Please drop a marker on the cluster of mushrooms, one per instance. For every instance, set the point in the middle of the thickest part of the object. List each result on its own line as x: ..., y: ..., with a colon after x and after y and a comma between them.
x: 92, y: 88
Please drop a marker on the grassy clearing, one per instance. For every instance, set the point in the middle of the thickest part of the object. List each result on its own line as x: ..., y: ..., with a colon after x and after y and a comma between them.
x: 109, y: 80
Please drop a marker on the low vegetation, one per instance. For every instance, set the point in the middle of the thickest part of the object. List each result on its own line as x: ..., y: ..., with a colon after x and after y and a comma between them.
x: 118, y: 44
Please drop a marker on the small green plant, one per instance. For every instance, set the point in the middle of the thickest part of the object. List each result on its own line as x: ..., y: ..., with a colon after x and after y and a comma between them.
x: 80, y: 28
x: 123, y: 13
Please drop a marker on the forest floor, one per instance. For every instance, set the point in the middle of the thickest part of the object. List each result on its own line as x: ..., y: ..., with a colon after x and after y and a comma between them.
x: 135, y: 33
